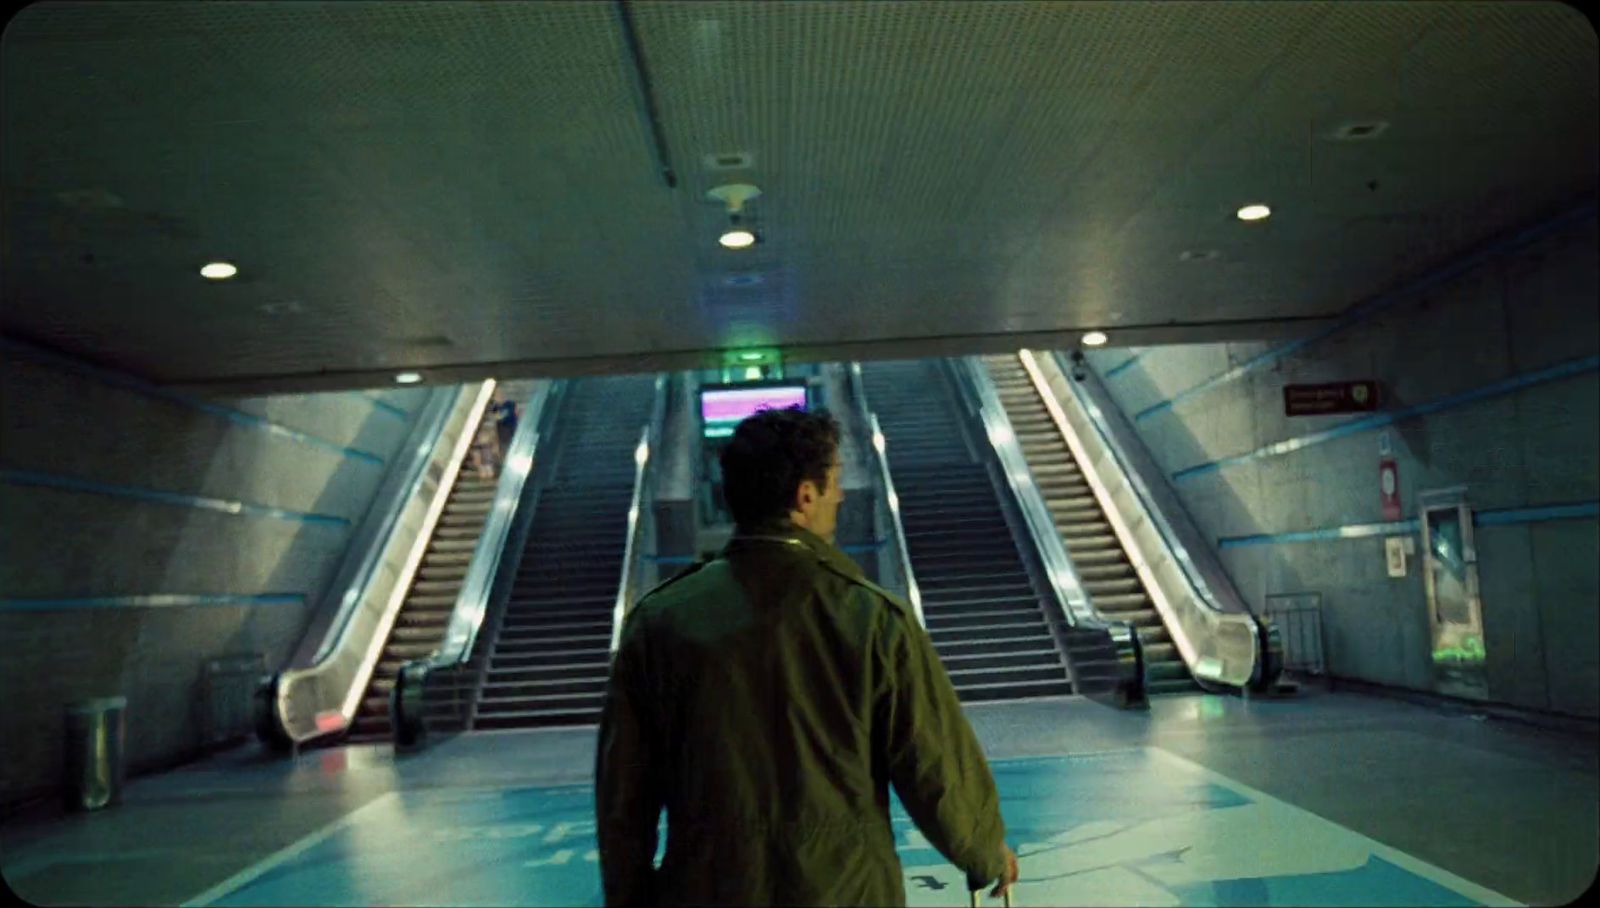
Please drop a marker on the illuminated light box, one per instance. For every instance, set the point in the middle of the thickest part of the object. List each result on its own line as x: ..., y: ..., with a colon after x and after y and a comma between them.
x: 721, y: 408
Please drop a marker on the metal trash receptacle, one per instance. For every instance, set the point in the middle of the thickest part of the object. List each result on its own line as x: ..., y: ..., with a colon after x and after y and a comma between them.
x: 96, y: 731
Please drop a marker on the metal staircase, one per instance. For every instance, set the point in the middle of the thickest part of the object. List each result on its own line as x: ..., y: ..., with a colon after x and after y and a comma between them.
x: 983, y: 610
x: 419, y: 628
x: 550, y: 657
x: 1108, y: 576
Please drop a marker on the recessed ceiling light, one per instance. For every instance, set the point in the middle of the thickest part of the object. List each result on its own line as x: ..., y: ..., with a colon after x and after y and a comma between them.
x: 1254, y: 212
x: 1094, y: 339
x: 407, y: 378
x: 737, y: 239
x: 1359, y: 132
x: 218, y: 271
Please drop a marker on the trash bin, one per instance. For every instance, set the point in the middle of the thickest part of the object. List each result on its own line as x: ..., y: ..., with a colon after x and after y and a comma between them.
x: 96, y: 730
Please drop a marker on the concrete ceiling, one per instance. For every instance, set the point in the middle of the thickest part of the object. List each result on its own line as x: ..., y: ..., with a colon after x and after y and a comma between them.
x: 472, y: 189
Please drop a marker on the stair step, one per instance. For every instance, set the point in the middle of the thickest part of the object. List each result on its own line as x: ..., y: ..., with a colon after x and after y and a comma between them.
x: 1158, y: 652
x: 554, y: 629
x: 995, y: 645
x: 1141, y: 618
x: 1120, y: 586
x: 1120, y: 602
x: 499, y: 689
x: 943, y: 615
x: 433, y: 634
x: 541, y: 672
x: 532, y: 659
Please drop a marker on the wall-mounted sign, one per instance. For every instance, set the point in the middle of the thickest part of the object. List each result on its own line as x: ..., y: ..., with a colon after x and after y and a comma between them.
x: 1389, y: 488
x: 1336, y: 397
x: 1394, y: 555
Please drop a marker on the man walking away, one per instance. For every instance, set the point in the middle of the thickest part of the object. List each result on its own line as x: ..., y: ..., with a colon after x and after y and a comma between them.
x: 768, y: 697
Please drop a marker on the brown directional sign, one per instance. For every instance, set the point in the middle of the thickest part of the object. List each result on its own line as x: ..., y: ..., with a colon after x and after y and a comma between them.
x: 1336, y: 397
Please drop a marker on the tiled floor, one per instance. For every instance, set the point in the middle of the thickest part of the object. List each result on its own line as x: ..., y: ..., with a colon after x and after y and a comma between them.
x: 1329, y: 798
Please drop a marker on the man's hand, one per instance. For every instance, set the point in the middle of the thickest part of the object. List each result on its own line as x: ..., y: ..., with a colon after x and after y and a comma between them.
x: 1009, y: 877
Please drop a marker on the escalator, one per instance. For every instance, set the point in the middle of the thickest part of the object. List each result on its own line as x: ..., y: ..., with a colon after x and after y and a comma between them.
x: 550, y: 656
x: 1105, y: 570
x: 983, y: 609
x: 419, y: 628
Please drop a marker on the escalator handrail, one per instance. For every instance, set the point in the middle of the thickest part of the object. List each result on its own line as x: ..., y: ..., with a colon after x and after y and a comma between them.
x: 1157, y: 514
x: 890, y: 498
x: 466, y: 617
x: 645, y: 457
x: 435, y: 415
x: 1060, y: 573
x: 276, y: 718
x: 1205, y: 594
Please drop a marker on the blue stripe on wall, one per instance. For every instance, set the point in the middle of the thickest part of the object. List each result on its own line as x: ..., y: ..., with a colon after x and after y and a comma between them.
x: 1361, y: 312
x: 219, y: 505
x: 1498, y: 517
x: 1120, y: 367
x: 1378, y: 420
x: 1587, y: 509
x: 166, y: 600
x: 384, y: 406
x: 128, y: 382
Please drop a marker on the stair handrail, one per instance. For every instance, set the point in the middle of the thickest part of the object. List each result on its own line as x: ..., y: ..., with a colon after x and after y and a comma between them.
x: 298, y: 705
x: 889, y: 499
x: 641, y: 517
x: 1060, y: 573
x: 514, y: 501
x: 1242, y: 658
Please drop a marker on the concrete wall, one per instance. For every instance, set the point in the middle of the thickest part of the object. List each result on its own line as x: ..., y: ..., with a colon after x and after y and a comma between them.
x: 112, y: 490
x: 1473, y: 346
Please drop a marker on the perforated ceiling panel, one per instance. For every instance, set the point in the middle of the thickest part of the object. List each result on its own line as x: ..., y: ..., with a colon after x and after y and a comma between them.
x: 471, y: 188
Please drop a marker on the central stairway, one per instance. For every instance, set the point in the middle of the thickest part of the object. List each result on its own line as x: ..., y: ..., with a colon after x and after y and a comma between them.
x: 983, y: 610
x: 551, y: 655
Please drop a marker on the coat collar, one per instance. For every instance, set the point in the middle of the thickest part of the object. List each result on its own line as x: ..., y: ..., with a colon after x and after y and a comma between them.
x: 786, y: 533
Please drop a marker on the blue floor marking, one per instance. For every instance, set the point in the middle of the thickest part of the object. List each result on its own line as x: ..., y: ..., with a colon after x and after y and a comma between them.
x: 1120, y: 828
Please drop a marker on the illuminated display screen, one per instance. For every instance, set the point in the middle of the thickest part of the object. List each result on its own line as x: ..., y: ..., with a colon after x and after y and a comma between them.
x: 722, y: 408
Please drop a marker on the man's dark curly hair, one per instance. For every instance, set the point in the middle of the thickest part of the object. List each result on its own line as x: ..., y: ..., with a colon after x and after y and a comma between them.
x: 770, y: 453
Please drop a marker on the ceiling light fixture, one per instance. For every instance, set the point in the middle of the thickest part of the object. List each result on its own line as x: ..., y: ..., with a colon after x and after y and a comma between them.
x: 407, y: 378
x: 1094, y: 339
x: 737, y: 239
x: 1255, y: 212
x: 734, y: 196
x: 218, y: 271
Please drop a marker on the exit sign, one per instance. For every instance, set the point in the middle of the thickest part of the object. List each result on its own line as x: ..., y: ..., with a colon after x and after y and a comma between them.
x: 1335, y: 397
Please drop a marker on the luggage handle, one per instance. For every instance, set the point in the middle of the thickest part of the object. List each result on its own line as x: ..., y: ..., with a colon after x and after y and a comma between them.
x: 977, y: 894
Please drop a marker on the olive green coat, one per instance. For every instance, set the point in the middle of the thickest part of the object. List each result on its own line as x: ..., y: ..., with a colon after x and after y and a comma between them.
x: 766, y: 699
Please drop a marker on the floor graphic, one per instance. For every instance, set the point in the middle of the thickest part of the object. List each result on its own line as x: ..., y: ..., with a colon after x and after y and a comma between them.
x: 1134, y: 827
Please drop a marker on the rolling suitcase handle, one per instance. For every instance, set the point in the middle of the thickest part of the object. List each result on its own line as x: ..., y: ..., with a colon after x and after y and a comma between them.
x: 978, y: 894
